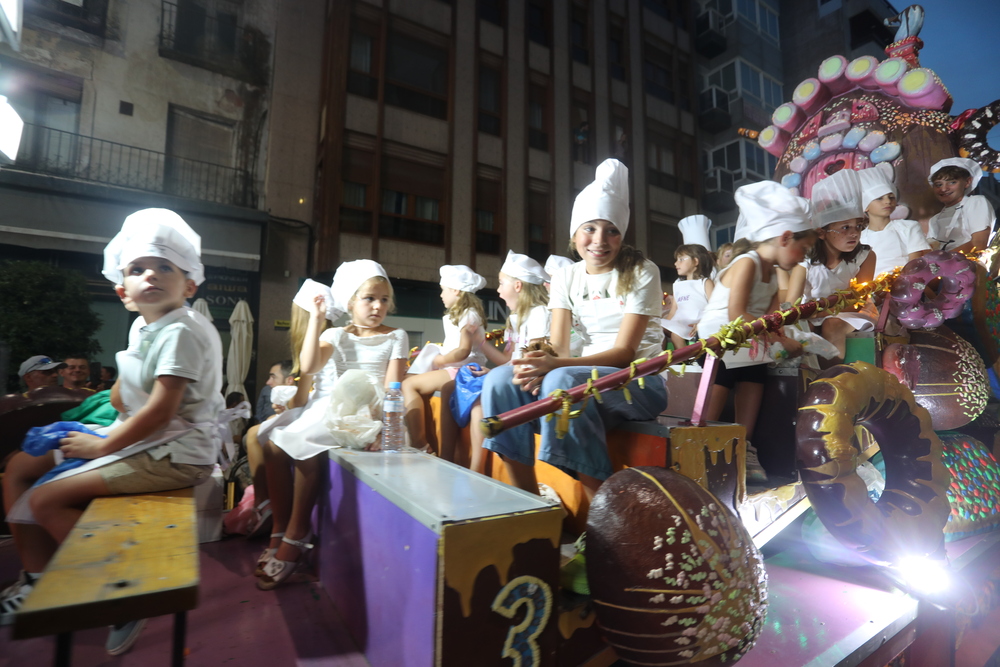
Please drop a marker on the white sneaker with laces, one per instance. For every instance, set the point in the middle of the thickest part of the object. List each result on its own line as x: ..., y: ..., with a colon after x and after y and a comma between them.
x: 122, y: 637
x: 13, y: 597
x: 755, y: 473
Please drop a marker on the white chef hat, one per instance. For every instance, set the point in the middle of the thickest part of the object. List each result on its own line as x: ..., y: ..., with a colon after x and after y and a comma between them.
x: 309, y: 290
x: 350, y: 277
x: 154, y: 232
x: 694, y: 230
x: 769, y: 209
x: 604, y: 199
x: 968, y: 164
x: 283, y: 393
x: 557, y: 262
x: 462, y: 278
x: 837, y: 198
x: 522, y: 267
x: 876, y: 182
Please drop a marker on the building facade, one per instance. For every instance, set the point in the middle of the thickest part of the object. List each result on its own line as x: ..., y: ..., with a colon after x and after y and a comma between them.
x: 454, y: 131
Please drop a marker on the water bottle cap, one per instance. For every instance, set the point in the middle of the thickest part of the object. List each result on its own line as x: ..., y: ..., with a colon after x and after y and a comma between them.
x: 395, y: 385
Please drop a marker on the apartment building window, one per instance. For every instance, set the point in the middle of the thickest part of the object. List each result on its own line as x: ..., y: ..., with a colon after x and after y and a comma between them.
x: 658, y: 74
x: 662, y: 168
x: 539, y: 21
x: 489, y: 226
x: 761, y: 87
x: 201, y: 151
x: 489, y: 100
x: 664, y: 8
x: 580, y: 118
x: 724, y: 77
x: 416, y: 76
x: 756, y: 14
x: 619, y: 137
x: 362, y: 69
x: 616, y: 53
x: 355, y: 201
x: 579, y: 35
x: 492, y: 11
x: 411, y: 202
x: 539, y: 225
x: 744, y: 159
x: 685, y: 93
x: 538, y: 121
x: 687, y: 166
x: 86, y: 15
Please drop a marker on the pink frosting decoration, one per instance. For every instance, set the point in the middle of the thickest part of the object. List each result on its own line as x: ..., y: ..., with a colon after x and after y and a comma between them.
x: 773, y: 140
x: 811, y: 95
x: 799, y: 164
x: 831, y: 142
x: 861, y: 72
x: 832, y: 74
x: 888, y: 74
x: 832, y: 161
x: 788, y: 117
x: 923, y: 89
x: 872, y: 140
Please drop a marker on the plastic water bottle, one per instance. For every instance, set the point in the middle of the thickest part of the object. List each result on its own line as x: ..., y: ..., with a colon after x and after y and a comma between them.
x: 393, y: 429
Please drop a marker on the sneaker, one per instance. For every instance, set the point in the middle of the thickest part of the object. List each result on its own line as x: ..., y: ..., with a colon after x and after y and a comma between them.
x: 755, y: 473
x: 13, y: 597
x: 122, y: 637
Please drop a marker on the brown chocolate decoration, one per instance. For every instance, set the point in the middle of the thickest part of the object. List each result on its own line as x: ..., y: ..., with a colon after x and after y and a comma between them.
x: 42, y: 406
x: 945, y: 373
x: 675, y: 576
x: 910, y: 516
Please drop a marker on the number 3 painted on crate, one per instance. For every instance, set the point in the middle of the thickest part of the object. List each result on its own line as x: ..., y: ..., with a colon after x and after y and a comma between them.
x: 521, y: 646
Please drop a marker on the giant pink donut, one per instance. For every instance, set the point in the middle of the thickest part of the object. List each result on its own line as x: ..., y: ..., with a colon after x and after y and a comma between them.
x: 909, y: 303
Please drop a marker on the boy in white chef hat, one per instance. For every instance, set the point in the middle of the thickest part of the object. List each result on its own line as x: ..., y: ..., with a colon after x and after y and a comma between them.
x: 894, y: 241
x: 169, y: 387
x: 966, y: 220
x: 436, y: 366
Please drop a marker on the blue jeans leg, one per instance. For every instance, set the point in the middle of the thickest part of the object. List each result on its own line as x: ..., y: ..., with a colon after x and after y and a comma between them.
x: 499, y: 395
x: 584, y: 448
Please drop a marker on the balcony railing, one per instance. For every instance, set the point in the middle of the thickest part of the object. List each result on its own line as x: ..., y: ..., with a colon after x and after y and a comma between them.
x: 48, y: 151
x: 217, y: 43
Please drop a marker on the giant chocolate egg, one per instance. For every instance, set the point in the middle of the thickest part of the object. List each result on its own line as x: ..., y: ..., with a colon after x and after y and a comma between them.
x: 945, y: 374
x: 674, y: 575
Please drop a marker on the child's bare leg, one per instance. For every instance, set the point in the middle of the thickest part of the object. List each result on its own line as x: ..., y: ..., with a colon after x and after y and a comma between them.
x: 258, y: 472
x: 306, y: 488
x: 34, y: 545
x: 478, y: 454
x: 747, y: 404
x: 448, y: 446
x: 280, y: 488
x: 836, y: 331
x: 677, y: 341
x: 416, y: 390
x: 590, y: 485
x: 57, y: 506
x: 521, y: 475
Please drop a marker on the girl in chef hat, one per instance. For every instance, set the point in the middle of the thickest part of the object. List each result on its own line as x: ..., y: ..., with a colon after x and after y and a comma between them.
x: 894, y: 242
x: 436, y: 366
x: 615, y: 294
x: 778, y: 228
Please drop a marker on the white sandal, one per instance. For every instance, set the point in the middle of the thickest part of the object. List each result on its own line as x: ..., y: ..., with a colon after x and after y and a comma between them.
x: 266, y: 556
x: 262, y: 514
x: 277, y: 571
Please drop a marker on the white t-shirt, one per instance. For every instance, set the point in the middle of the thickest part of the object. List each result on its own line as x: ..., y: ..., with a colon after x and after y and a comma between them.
x: 892, y: 246
x: 180, y: 344
x: 955, y: 225
x: 453, y: 338
x: 536, y: 325
x: 599, y: 310
x: 370, y: 354
x: 823, y: 281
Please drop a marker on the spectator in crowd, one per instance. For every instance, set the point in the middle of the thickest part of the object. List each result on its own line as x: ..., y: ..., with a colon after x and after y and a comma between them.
x: 281, y: 373
x: 39, y: 371
x: 75, y: 372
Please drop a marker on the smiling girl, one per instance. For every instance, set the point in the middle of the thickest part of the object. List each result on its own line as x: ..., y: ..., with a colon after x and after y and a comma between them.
x: 614, y: 294
x: 894, y: 242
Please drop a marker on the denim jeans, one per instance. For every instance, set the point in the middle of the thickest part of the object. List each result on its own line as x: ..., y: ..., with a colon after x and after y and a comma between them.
x: 584, y: 448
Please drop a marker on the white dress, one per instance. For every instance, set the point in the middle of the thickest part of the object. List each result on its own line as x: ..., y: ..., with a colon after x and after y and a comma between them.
x: 536, y: 325
x: 892, y: 246
x: 689, y: 295
x: 822, y: 281
x: 301, y: 433
x: 453, y: 338
x: 716, y: 313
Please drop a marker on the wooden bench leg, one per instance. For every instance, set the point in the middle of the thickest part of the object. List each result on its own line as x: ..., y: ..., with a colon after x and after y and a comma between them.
x: 180, y: 630
x: 64, y: 648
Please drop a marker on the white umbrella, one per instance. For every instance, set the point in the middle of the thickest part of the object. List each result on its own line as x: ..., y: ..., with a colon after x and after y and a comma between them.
x: 240, y: 346
x: 202, y: 307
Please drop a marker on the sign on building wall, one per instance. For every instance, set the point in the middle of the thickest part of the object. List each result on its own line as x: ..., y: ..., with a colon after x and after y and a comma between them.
x: 223, y: 289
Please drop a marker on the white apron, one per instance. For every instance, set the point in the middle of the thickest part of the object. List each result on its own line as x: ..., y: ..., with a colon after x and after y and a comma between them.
x: 131, y: 392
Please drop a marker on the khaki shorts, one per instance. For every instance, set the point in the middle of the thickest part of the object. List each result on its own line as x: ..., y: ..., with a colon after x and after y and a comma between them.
x: 141, y: 473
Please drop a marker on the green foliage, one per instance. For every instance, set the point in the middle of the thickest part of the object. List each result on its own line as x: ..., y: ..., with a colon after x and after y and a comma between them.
x: 44, y: 310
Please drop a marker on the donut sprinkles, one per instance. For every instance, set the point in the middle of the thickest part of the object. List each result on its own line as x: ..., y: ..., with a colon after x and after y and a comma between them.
x: 974, y: 492
x: 972, y: 141
x: 969, y: 380
x: 909, y: 304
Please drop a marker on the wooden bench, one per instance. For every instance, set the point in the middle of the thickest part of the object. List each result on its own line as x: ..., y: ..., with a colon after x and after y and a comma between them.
x: 127, y: 558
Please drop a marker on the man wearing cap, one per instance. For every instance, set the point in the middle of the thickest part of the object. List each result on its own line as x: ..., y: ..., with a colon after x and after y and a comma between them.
x: 39, y: 371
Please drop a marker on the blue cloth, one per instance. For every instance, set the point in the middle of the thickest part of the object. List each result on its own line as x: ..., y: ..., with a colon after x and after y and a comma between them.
x: 42, y: 439
x: 584, y: 449
x: 468, y: 387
